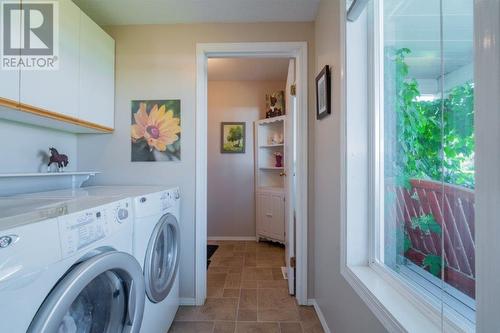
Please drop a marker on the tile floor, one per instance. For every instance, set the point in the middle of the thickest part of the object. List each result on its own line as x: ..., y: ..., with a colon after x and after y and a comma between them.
x: 246, y: 293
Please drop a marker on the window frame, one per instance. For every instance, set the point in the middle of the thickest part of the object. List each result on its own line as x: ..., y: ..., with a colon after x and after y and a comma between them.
x: 359, y: 276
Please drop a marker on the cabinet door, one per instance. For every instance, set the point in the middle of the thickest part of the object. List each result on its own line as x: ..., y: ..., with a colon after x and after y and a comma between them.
x: 262, y: 209
x: 57, y: 90
x: 276, y: 217
x: 271, y: 215
x: 97, y: 74
x: 9, y: 79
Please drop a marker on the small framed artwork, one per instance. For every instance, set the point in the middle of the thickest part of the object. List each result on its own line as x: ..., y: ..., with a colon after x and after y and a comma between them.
x: 275, y: 104
x: 323, y: 93
x: 232, y: 139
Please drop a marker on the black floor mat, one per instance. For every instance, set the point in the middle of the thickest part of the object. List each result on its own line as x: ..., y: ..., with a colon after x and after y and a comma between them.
x: 210, y: 252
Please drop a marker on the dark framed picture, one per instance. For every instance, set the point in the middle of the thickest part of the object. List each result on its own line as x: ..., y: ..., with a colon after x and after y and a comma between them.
x: 323, y: 93
x: 232, y: 139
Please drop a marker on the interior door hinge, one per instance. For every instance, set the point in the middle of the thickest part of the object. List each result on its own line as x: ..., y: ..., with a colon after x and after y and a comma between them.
x: 293, y: 262
x: 293, y: 89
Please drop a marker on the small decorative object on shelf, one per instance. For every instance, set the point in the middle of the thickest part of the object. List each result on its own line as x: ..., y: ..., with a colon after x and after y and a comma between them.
x: 279, y: 159
x: 61, y: 159
x: 275, y: 104
x: 277, y: 139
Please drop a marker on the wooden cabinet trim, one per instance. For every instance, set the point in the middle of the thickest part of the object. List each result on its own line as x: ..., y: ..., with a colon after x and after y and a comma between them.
x: 52, y: 115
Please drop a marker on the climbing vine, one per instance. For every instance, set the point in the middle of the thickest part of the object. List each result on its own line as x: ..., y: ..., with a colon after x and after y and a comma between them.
x: 435, y: 139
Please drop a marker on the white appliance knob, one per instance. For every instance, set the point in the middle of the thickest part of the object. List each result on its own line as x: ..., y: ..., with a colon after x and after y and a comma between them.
x: 6, y: 241
x: 122, y: 214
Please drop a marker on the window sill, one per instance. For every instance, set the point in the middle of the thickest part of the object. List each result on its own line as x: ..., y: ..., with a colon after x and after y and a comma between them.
x: 396, y: 311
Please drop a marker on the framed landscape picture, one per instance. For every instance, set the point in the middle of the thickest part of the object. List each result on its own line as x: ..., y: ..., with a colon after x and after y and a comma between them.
x: 233, y: 138
x: 156, y: 130
x: 323, y: 92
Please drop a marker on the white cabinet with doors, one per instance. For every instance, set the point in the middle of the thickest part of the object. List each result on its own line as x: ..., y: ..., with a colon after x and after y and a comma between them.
x: 9, y: 78
x: 97, y: 73
x: 57, y: 90
x: 78, y: 96
x: 271, y: 214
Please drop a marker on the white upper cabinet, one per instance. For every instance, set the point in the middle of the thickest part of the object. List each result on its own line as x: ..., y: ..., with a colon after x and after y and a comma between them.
x: 97, y: 73
x: 78, y: 94
x: 57, y: 90
x: 9, y: 79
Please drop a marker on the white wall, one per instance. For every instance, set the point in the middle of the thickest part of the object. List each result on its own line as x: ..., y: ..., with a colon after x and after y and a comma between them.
x: 344, y: 311
x: 159, y: 62
x: 231, y: 181
x: 25, y: 148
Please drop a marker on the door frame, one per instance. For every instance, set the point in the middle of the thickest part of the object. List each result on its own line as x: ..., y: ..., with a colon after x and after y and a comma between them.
x: 298, y: 51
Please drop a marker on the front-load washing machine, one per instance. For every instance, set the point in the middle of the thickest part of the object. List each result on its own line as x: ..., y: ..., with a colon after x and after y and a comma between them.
x: 156, y: 246
x: 156, y: 243
x: 66, y: 267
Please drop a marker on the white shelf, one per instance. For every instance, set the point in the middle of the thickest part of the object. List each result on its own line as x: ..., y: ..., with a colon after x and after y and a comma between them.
x: 20, y: 183
x: 49, y: 174
x: 271, y: 120
x: 273, y: 145
x: 272, y: 168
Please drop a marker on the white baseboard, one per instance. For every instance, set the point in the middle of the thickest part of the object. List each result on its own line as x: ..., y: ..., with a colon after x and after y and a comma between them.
x: 231, y: 238
x: 321, y: 317
x: 187, y: 301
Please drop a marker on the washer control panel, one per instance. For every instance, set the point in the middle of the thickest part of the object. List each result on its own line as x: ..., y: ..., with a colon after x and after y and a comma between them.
x: 168, y: 199
x: 82, y: 229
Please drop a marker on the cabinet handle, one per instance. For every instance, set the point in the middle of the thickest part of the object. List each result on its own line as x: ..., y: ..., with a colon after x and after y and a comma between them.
x: 269, y: 215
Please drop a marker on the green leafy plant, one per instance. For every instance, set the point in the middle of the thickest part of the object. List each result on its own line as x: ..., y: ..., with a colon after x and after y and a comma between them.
x: 434, y: 264
x: 426, y: 224
x: 406, y: 242
x: 434, y: 139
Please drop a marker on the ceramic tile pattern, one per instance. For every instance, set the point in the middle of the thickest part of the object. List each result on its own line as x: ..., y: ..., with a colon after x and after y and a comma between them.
x: 246, y: 293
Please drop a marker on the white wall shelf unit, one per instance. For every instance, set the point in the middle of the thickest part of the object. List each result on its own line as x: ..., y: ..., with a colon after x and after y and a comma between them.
x: 270, y: 139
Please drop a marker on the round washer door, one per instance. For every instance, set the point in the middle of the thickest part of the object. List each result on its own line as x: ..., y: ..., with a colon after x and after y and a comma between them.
x: 104, y: 294
x: 162, y: 258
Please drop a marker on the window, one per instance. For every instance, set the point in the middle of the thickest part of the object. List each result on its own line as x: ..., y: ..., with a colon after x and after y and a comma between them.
x: 424, y: 149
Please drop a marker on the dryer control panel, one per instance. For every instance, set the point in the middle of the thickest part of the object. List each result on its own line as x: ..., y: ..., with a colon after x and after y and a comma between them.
x: 169, y: 199
x: 82, y: 229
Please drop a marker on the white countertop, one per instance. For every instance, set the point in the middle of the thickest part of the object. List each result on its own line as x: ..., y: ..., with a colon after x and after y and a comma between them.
x: 34, y: 207
x: 118, y: 192
x: 15, y: 212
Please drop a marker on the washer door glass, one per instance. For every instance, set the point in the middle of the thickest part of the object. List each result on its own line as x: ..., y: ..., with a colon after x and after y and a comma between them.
x: 103, y: 294
x: 162, y: 258
x: 100, y: 307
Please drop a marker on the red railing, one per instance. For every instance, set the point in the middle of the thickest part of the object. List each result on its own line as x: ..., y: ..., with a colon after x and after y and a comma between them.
x: 453, y: 209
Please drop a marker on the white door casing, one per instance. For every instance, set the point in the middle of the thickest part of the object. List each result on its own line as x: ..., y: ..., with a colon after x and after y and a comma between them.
x: 297, y: 51
x: 290, y: 175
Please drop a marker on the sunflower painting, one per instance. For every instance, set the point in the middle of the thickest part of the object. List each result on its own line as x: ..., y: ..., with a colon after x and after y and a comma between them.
x: 156, y: 130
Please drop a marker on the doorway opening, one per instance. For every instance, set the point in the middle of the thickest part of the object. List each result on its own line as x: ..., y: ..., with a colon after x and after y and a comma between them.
x: 273, y: 149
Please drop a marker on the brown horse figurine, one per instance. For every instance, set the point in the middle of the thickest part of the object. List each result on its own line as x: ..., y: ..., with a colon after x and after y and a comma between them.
x: 60, y: 159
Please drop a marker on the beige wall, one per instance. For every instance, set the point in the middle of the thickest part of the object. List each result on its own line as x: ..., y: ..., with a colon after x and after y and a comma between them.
x: 344, y: 311
x: 231, y: 182
x: 159, y: 62
x: 25, y: 148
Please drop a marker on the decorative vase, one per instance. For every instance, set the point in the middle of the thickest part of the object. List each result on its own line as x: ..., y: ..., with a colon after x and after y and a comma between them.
x: 279, y: 161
